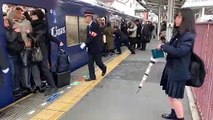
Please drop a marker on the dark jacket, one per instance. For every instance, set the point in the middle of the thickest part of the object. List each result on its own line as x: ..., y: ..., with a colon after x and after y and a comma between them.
x: 145, y: 32
x: 93, y: 41
x: 139, y: 27
x: 124, y: 28
x: 119, y: 35
x: 179, y: 51
x: 15, y: 39
x: 41, y: 35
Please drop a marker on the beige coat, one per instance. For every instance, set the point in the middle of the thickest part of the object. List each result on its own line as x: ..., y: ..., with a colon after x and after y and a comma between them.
x: 108, y: 31
x: 134, y: 30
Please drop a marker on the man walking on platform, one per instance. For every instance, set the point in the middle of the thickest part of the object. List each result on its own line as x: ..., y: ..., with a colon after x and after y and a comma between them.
x: 93, y: 43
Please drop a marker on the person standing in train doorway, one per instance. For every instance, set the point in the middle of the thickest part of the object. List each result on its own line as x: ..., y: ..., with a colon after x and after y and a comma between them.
x: 4, y: 69
x: 93, y: 43
x: 176, y: 71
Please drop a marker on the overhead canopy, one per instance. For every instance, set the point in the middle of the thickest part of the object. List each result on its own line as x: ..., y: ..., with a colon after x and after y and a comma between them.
x: 153, y: 4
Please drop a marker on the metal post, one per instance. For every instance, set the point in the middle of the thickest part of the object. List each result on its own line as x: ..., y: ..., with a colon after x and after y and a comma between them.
x: 159, y: 20
x: 170, y: 19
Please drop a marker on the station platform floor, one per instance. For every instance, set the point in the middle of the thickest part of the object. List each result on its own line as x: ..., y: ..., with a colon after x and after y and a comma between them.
x: 112, y: 97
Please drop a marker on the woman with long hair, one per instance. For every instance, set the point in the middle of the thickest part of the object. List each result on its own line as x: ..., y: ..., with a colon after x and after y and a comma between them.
x: 176, y: 71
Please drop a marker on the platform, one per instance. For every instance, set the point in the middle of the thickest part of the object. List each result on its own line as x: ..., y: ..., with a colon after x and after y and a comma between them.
x: 115, y: 97
x: 112, y: 97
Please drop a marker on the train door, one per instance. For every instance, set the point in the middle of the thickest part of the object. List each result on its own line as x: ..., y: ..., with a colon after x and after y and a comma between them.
x: 20, y: 19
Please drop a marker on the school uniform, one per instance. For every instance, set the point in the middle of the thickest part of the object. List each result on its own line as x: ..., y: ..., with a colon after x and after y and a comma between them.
x: 176, y: 71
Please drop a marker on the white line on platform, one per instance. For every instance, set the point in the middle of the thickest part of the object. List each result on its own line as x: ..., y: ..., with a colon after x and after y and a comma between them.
x: 43, y: 104
x: 31, y: 112
x: 61, y: 92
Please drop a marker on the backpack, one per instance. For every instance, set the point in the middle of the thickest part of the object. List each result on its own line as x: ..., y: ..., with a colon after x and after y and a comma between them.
x: 63, y: 62
x: 197, y: 71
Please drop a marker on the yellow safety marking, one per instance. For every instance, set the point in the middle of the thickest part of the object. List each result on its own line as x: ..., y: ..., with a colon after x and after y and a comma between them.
x: 55, y: 110
x: 47, y: 115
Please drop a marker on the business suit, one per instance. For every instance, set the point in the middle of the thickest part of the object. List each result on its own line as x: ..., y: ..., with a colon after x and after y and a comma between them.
x: 93, y: 43
x: 176, y: 71
x: 120, y: 38
x: 3, y: 64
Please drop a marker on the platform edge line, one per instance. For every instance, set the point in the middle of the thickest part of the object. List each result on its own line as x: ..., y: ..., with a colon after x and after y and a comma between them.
x: 113, y: 63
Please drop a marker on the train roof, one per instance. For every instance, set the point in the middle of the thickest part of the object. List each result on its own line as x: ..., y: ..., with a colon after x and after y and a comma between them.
x: 97, y: 9
x: 153, y: 4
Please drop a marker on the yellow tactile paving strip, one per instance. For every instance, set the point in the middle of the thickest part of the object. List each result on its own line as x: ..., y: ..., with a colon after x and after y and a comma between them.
x: 55, y: 110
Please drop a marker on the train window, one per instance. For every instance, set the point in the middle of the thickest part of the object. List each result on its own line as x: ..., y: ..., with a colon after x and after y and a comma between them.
x: 72, y: 30
x: 82, y: 29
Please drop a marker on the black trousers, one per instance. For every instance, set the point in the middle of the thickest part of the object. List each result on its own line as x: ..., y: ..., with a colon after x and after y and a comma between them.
x: 126, y: 43
x: 143, y: 46
x: 138, y: 42
x: 97, y: 58
x: 133, y: 42
x: 45, y: 69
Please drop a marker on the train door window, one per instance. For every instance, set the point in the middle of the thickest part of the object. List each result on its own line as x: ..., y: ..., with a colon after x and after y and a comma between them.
x: 72, y: 30
x: 82, y: 29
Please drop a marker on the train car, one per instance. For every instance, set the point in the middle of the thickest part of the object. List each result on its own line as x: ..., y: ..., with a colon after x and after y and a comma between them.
x: 65, y: 22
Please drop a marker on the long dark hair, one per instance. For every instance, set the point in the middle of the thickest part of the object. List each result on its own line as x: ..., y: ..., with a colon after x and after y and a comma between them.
x: 108, y: 24
x: 188, y: 21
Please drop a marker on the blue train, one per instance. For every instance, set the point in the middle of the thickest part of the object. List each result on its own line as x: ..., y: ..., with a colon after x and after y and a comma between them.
x: 66, y: 23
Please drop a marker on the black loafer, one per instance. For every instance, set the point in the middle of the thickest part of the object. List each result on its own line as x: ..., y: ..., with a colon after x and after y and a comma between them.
x: 132, y: 52
x: 104, y: 71
x: 169, y: 116
x: 90, y: 79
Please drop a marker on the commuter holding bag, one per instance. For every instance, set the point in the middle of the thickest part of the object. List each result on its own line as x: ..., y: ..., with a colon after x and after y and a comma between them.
x: 36, y: 54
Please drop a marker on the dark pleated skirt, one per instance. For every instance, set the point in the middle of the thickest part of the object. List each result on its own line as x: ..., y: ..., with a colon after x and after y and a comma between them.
x: 173, y: 89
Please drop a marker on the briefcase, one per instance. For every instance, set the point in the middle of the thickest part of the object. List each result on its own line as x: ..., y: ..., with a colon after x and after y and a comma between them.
x: 62, y: 79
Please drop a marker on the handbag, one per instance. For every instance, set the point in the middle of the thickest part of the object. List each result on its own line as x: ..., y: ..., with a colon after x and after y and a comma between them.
x: 36, y: 54
x: 157, y: 53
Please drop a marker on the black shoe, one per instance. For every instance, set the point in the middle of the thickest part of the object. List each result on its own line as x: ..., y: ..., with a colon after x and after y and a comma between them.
x: 32, y: 90
x: 180, y: 119
x: 90, y: 79
x: 104, y: 71
x: 118, y: 53
x: 169, y: 116
x: 40, y: 89
x: 132, y: 52
x: 50, y: 91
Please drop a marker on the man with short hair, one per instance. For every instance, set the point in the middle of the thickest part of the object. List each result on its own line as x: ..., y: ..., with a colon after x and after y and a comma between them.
x: 93, y: 43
